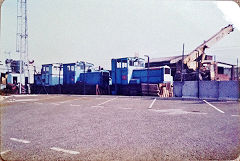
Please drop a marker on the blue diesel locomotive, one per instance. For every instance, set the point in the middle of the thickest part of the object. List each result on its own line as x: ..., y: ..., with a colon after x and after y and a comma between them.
x: 125, y: 72
x: 131, y: 70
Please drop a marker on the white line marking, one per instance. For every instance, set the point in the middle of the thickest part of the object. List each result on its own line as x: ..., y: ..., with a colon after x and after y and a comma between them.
x: 48, y: 98
x: 45, y: 99
x: 26, y: 100
x: 69, y: 100
x: 74, y: 105
x: 38, y: 103
x: 97, y: 106
x: 236, y: 115
x: 65, y: 151
x: 101, y: 98
x: 55, y: 104
x: 24, y: 95
x: 126, y: 108
x: 198, y: 113
x: 152, y: 103
x: 63, y: 102
x: 20, y: 140
x: 107, y: 101
x: 11, y: 101
x: 76, y: 96
x: 213, y: 106
x: 4, y: 152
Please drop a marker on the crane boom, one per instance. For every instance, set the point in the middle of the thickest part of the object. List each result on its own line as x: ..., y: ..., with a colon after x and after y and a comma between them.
x: 190, y: 60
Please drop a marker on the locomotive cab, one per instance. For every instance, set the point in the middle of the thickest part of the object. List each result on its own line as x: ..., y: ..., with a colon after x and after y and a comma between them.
x: 167, y: 75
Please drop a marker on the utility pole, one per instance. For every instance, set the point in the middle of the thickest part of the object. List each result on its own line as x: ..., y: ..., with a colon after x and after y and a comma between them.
x: 84, y: 79
x: 237, y: 71
x: 182, y: 64
x: 22, y: 41
x: 59, y: 80
x: 148, y: 72
x: 197, y: 65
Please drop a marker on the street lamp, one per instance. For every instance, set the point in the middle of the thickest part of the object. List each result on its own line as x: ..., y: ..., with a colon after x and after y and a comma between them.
x: 59, y: 79
x: 84, y: 78
x: 198, y: 64
x: 147, y: 73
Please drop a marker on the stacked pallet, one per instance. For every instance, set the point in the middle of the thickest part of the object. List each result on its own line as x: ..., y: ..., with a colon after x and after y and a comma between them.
x: 150, y: 89
x: 161, y: 90
x: 166, y: 90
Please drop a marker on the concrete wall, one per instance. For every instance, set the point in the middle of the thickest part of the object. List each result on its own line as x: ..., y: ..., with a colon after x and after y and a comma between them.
x: 208, y: 89
x: 221, y: 90
x: 177, y: 89
x: 190, y: 89
x: 228, y: 90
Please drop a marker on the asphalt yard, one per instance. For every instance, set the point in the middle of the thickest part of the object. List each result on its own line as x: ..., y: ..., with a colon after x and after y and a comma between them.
x: 69, y: 127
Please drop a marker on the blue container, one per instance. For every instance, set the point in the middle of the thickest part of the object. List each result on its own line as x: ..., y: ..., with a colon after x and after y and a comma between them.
x: 100, y: 78
x: 155, y: 75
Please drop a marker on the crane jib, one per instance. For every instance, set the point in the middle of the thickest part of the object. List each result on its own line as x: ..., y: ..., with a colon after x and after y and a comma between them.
x: 199, y: 51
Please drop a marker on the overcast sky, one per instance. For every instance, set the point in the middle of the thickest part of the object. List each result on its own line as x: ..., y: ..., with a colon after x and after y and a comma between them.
x: 97, y: 31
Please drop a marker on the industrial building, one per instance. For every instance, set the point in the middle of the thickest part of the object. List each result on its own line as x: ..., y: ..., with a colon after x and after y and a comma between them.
x: 223, y: 71
x: 196, y: 65
x: 10, y: 74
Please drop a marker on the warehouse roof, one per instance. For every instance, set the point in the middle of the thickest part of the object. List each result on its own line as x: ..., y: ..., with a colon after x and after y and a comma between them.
x: 171, y: 59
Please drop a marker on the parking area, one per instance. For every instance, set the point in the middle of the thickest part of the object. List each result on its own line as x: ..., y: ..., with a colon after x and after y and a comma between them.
x: 74, y: 127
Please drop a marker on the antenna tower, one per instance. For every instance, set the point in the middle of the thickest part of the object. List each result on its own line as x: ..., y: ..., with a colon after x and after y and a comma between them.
x: 22, y: 41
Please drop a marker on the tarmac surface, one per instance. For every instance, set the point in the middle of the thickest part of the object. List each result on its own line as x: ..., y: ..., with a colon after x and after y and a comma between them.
x: 73, y: 127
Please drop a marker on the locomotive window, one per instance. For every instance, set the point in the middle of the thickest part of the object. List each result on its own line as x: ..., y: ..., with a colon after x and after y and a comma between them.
x: 82, y: 66
x: 124, y: 64
x: 167, y: 71
x: 140, y: 64
x: 118, y: 64
x: 136, y: 63
x: 44, y: 69
x: 131, y: 63
x: 72, y: 68
x: 47, y: 69
x: 220, y: 70
x: 68, y: 67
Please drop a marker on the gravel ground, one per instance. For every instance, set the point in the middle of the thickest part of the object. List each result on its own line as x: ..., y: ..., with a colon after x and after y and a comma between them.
x: 66, y: 127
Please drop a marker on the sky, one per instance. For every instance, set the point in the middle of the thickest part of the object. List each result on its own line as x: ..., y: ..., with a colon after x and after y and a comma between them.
x: 97, y: 31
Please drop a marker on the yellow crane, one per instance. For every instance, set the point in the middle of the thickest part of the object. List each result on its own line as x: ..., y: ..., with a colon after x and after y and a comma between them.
x: 190, y: 60
x: 195, y: 59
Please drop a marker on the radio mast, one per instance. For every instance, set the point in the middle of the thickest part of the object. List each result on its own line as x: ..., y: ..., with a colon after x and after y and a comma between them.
x: 22, y: 42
